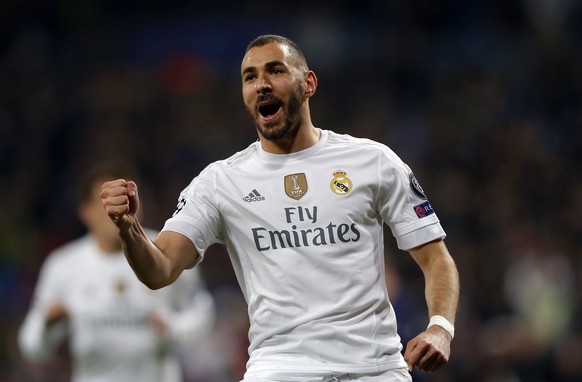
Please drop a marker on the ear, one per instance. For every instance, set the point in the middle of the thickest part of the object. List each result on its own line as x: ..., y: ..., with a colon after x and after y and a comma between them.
x: 310, y: 84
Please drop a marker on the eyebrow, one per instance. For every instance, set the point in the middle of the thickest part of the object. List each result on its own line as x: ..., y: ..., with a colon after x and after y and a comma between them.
x: 268, y: 65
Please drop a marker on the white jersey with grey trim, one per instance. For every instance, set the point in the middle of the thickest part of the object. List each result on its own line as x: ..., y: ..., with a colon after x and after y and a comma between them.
x: 111, y: 337
x: 304, y: 233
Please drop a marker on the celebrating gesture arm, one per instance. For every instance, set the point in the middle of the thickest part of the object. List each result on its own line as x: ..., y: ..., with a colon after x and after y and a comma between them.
x: 156, y: 263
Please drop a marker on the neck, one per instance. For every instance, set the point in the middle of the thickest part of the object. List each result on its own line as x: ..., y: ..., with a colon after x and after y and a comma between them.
x: 305, y: 137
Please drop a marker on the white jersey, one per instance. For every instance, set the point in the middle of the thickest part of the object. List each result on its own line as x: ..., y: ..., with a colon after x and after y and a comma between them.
x: 304, y: 233
x: 111, y: 336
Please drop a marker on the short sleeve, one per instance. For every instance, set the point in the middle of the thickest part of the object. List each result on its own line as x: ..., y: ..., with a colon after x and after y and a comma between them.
x: 197, y: 213
x: 403, y: 205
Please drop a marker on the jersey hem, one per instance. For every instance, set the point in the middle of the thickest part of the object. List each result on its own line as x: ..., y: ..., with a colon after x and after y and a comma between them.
x: 269, y: 368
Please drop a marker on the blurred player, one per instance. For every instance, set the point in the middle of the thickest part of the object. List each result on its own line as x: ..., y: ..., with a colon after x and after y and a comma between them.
x: 301, y: 212
x: 118, y: 330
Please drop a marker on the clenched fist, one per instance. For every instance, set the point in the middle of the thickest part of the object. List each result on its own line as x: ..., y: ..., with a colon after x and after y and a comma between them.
x: 121, y: 202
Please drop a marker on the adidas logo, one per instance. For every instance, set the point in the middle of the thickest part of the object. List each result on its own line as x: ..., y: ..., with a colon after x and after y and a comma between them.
x: 254, y: 196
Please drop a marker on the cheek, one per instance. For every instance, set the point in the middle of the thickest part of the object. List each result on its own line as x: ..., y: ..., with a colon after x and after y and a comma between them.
x: 247, y: 98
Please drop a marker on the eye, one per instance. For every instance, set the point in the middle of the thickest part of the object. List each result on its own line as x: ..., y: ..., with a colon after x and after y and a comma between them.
x: 249, y: 77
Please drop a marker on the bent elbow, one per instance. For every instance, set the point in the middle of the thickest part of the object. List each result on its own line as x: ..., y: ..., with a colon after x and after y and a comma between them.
x: 158, y: 277
x: 154, y: 284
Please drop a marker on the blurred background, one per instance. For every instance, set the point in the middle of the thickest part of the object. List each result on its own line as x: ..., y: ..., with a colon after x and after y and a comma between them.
x: 483, y: 99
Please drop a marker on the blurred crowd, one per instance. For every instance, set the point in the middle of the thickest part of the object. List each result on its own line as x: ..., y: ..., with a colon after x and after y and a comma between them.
x: 482, y: 99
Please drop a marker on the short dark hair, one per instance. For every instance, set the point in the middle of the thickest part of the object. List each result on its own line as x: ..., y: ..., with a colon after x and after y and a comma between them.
x: 104, y: 171
x: 269, y: 38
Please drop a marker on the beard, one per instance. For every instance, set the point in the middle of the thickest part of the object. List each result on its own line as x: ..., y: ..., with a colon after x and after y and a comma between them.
x: 293, y: 119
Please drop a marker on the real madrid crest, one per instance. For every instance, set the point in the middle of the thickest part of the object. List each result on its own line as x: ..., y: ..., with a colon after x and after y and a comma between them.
x: 295, y: 185
x: 340, y: 184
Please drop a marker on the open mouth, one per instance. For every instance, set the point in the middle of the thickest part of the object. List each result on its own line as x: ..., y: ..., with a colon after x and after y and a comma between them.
x: 269, y: 110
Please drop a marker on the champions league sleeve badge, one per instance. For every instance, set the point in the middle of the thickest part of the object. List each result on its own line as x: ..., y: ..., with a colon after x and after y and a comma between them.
x: 424, y: 209
x: 415, y: 186
x: 340, y: 184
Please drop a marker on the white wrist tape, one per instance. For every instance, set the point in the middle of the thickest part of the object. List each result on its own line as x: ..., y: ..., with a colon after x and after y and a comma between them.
x: 443, y: 323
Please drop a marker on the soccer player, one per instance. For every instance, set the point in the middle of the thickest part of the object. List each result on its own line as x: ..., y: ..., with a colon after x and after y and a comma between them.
x: 301, y: 212
x: 118, y: 330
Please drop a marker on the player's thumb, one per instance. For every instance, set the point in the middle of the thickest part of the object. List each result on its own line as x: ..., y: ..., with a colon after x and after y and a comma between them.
x: 133, y: 197
x: 408, y: 356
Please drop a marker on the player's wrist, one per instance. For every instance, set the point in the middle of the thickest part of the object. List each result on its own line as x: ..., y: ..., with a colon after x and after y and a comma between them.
x: 443, y: 323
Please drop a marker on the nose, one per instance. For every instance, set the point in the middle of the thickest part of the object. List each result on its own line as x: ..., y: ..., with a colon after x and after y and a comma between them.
x: 262, y: 85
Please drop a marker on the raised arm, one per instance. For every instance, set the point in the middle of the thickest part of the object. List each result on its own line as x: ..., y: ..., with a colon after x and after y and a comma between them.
x: 156, y: 263
x: 430, y: 350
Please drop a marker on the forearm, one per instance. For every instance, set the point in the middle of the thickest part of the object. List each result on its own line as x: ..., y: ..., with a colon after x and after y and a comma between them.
x: 442, y: 288
x: 431, y: 349
x: 157, y: 264
x: 148, y: 262
x: 441, y: 279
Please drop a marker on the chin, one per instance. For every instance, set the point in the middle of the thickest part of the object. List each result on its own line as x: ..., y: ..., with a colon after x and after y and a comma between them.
x: 273, y: 133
